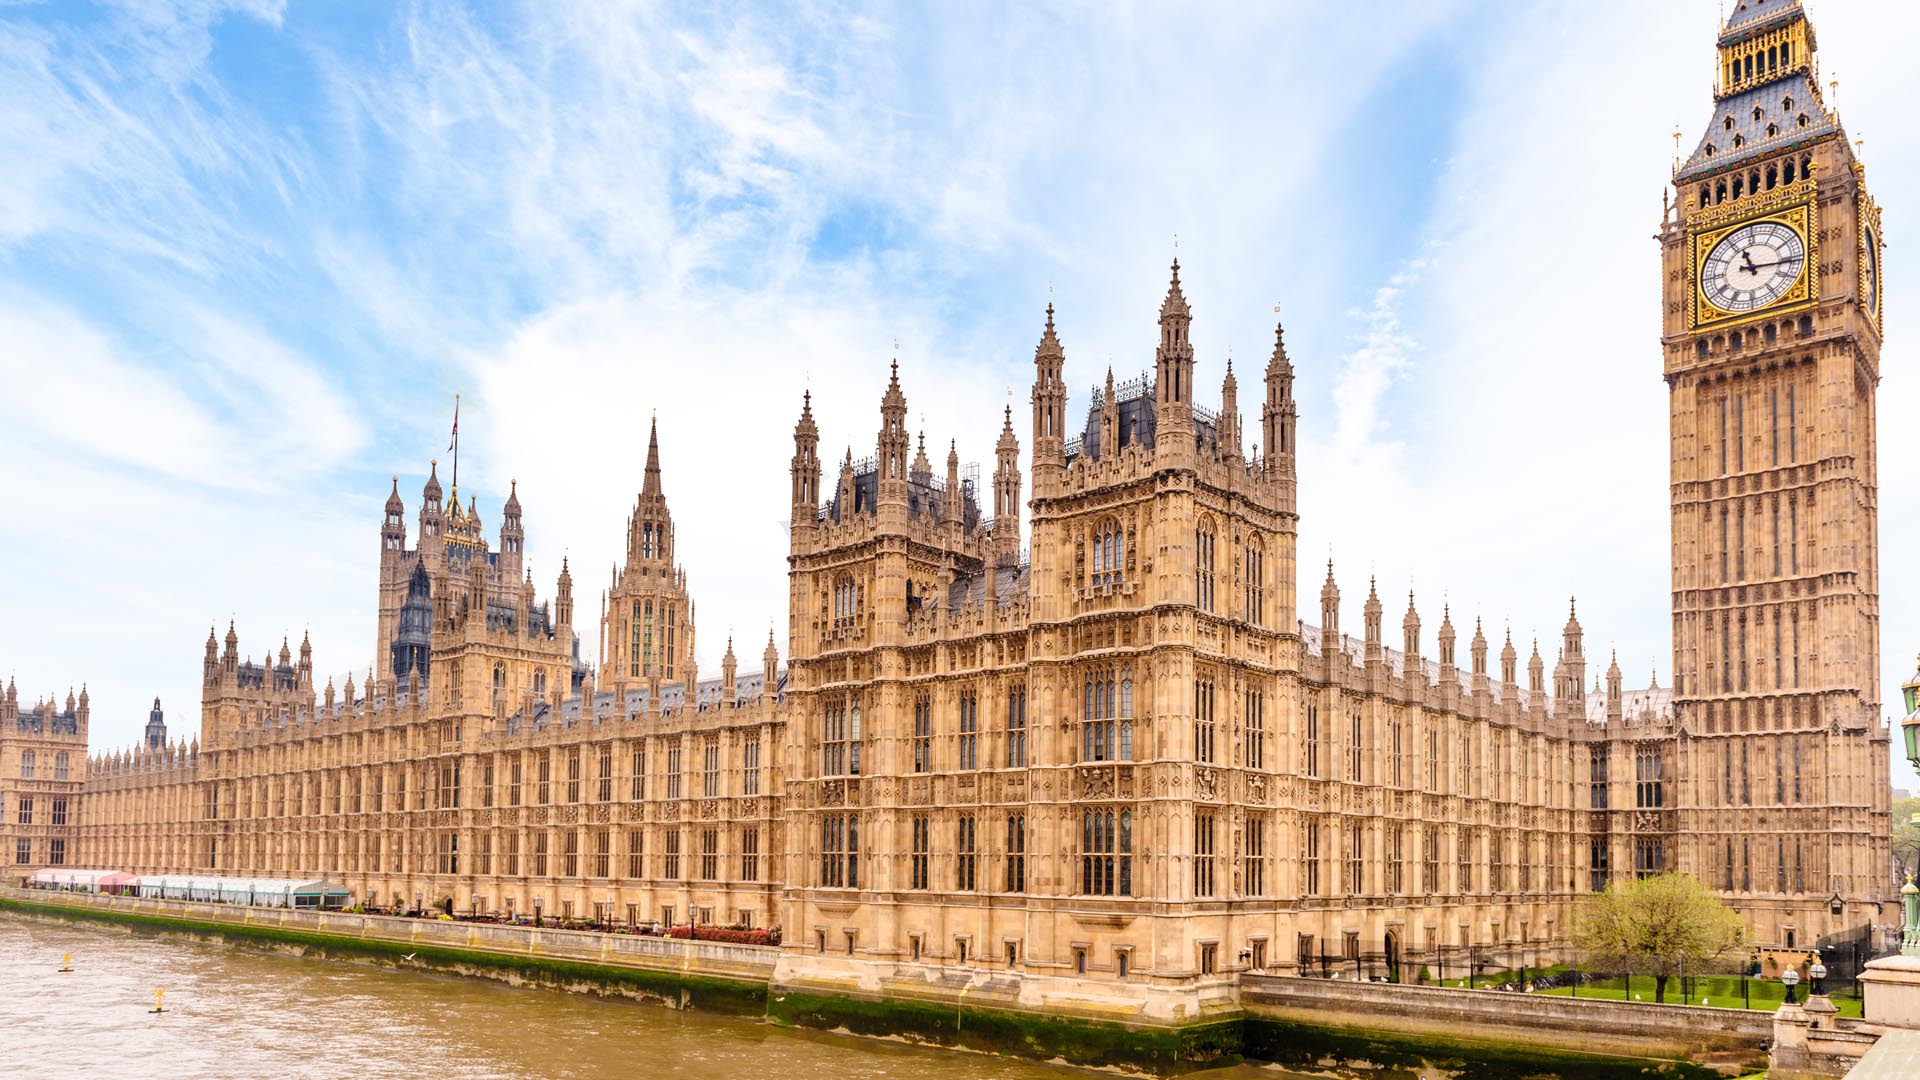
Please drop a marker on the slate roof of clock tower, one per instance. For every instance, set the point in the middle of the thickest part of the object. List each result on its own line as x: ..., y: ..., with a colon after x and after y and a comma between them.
x: 1743, y: 119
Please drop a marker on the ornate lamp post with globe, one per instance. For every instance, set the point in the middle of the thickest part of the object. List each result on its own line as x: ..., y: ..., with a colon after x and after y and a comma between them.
x: 1891, y: 984
x: 1909, y: 896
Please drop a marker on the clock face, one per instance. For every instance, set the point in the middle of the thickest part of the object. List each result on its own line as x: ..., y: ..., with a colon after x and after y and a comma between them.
x: 1873, y: 272
x: 1753, y: 266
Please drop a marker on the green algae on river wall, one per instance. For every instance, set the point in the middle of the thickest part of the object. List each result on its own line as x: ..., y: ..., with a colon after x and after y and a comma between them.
x: 1366, y: 1052
x: 1141, y: 1047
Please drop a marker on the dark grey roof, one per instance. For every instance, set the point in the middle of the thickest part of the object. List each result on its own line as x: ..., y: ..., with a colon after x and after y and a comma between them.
x: 926, y: 495
x: 1749, y: 13
x: 1717, y: 149
x: 972, y: 590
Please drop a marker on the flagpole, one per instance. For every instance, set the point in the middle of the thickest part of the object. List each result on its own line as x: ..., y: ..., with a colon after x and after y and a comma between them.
x: 455, y: 444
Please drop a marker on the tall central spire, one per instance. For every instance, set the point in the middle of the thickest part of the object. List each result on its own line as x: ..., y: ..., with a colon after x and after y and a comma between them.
x: 651, y: 486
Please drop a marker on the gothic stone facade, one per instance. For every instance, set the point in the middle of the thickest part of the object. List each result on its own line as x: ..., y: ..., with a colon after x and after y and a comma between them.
x: 43, y: 763
x: 1110, y: 761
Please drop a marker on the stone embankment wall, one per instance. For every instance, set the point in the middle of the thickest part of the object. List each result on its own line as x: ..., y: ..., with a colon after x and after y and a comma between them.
x: 1295, y: 1021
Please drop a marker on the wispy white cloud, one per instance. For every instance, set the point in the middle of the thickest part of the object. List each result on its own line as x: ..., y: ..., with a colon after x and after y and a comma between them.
x: 581, y: 213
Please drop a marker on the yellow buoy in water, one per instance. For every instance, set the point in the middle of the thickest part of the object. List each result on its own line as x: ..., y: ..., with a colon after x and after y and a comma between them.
x: 66, y: 962
x: 157, y: 1006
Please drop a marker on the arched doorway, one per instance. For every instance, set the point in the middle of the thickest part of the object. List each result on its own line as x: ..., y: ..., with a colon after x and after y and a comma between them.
x: 1393, y: 956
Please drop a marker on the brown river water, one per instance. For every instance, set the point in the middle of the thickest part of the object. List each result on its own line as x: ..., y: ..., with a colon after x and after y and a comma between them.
x: 241, y: 1012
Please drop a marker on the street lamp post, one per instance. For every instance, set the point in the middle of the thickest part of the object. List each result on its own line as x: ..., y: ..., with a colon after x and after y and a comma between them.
x: 1909, y: 897
x: 1790, y: 978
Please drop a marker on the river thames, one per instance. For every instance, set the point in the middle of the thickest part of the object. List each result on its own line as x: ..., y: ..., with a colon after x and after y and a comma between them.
x: 243, y: 1012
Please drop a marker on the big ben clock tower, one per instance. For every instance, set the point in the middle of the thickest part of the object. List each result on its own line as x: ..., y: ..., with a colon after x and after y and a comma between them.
x: 1772, y: 330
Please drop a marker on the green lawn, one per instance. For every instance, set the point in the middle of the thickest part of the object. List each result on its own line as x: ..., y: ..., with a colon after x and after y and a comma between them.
x: 1722, y: 991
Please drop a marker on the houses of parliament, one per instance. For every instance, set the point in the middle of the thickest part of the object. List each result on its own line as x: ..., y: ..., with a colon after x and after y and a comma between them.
x: 1113, y: 754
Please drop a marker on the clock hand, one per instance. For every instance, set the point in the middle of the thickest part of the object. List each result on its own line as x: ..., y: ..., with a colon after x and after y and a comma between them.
x: 1746, y: 256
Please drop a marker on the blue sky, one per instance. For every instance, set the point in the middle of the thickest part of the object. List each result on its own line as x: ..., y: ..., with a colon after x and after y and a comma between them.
x: 249, y: 251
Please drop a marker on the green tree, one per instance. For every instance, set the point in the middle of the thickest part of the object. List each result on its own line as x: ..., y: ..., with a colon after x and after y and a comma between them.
x: 1906, y: 835
x: 1660, y: 925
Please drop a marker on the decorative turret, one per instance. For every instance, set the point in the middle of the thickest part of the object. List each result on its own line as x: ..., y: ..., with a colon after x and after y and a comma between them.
x: 1536, y: 674
x: 393, y: 526
x: 305, y: 668
x: 769, y: 667
x: 156, y: 735
x: 433, y: 517
x: 85, y: 708
x: 1573, y: 655
x: 893, y: 441
x: 805, y: 471
x: 1173, y: 373
x: 1371, y: 617
x: 1478, y: 650
x: 1509, y: 662
x: 728, y: 665
x: 1410, y: 628
x: 1447, y: 669
x: 1006, y: 495
x: 210, y: 667
x: 513, y: 534
x: 563, y: 603
x: 921, y: 472
x: 1230, y: 415
x: 1277, y: 415
x: 951, y: 507
x: 1049, y: 409
x: 230, y: 659
x: 1616, y: 708
x: 1109, y: 419
x: 844, y: 493
x: 1330, y: 613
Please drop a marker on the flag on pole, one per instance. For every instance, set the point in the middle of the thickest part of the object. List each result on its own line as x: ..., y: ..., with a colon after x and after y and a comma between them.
x: 453, y: 445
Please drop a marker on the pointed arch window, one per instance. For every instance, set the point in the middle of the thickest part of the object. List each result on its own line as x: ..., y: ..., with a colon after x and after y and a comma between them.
x: 1203, y: 545
x: 840, y: 739
x: 646, y: 638
x: 846, y: 602
x: 1109, y: 553
x: 1106, y: 852
x: 1256, y: 578
x: 1107, y: 716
